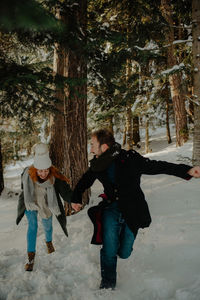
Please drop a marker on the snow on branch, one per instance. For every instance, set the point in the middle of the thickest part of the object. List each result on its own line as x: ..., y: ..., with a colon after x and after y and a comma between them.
x: 196, y: 101
x: 173, y: 69
x: 189, y: 40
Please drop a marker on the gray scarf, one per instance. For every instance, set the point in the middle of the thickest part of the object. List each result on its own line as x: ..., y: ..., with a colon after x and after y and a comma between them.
x: 29, y: 194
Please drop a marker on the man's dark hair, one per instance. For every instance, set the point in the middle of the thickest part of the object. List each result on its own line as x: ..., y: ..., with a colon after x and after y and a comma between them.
x: 104, y: 136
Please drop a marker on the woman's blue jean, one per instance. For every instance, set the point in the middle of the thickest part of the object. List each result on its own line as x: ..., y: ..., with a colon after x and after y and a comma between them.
x: 118, y: 240
x: 32, y: 229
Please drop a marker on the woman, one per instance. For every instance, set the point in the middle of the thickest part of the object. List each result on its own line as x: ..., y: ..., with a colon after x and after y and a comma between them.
x: 42, y: 186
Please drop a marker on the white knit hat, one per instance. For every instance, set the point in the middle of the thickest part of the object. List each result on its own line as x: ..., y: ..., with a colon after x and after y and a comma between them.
x: 42, y: 160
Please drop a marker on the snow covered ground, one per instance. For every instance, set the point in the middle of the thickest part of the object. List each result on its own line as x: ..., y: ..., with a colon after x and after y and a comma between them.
x: 165, y: 263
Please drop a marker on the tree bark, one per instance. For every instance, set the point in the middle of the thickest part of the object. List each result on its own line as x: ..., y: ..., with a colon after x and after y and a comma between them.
x: 136, y: 132
x: 68, y: 146
x: 124, y: 136
x: 190, y: 112
x: 175, y: 80
x: 129, y: 119
x: 169, y: 140
x: 129, y: 127
x: 109, y: 121
x: 196, y: 78
x: 147, y: 144
x: 1, y: 172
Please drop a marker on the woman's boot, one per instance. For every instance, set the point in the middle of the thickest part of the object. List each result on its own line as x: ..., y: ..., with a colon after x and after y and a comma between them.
x: 30, y: 263
x: 50, y: 247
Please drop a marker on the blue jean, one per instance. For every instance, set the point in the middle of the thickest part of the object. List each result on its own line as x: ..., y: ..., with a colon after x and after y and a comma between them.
x: 118, y: 240
x: 33, y: 227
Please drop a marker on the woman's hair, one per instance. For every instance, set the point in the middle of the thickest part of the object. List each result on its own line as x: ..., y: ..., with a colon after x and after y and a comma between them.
x: 53, y: 172
x: 104, y: 136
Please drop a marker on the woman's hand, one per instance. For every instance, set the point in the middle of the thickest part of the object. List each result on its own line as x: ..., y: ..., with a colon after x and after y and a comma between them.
x: 76, y: 206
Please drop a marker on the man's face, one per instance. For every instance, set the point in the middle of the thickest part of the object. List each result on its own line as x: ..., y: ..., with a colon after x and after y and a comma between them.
x: 96, y: 149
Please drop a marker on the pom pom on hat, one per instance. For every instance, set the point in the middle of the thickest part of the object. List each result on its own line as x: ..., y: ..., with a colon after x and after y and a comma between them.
x: 42, y: 160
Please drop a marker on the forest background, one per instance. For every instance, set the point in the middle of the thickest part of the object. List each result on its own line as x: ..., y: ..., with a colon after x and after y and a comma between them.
x: 68, y: 67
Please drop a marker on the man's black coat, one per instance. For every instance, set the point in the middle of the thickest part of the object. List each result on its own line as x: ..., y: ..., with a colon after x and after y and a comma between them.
x: 129, y: 166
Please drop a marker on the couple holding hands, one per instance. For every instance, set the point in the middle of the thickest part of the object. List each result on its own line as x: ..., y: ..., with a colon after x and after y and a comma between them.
x: 117, y: 218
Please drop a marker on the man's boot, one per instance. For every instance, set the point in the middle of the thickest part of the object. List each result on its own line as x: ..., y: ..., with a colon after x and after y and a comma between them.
x: 30, y: 263
x: 105, y: 284
x: 108, y: 280
x: 50, y: 247
x: 108, y: 273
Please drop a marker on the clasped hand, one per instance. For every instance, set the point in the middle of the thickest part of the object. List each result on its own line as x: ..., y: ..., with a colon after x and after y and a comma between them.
x: 195, y: 172
x: 76, y: 206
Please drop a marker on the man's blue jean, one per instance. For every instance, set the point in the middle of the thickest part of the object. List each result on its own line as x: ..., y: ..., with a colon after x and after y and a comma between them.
x: 118, y: 240
x: 32, y: 229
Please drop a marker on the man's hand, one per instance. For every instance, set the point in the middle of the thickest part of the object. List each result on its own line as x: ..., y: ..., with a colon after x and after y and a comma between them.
x: 195, y: 172
x: 76, y: 206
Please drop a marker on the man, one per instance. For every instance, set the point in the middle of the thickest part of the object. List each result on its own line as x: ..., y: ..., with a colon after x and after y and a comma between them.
x: 125, y: 209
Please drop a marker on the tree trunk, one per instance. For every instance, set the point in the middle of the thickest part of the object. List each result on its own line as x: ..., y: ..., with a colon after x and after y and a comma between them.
x: 129, y: 121
x: 29, y: 148
x: 147, y: 144
x: 175, y: 80
x: 190, y: 112
x: 136, y: 132
x: 169, y: 140
x: 110, y: 124
x: 68, y: 146
x: 124, y: 136
x: 179, y: 110
x: 196, y: 91
x: 1, y: 172
x: 129, y: 126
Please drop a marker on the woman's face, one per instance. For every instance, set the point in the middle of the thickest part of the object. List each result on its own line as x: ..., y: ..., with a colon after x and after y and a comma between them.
x: 43, y: 173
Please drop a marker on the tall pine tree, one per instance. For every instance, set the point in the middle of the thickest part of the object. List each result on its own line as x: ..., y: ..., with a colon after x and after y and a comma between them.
x: 68, y: 146
x: 196, y: 75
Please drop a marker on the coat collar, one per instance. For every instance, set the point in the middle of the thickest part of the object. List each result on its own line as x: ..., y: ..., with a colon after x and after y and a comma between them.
x: 103, y: 161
